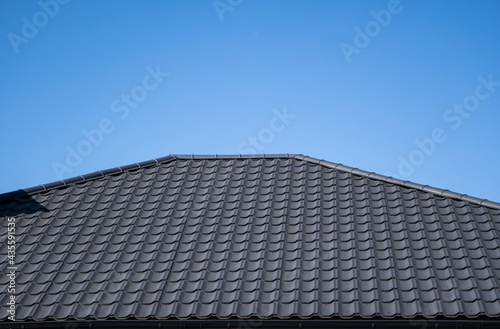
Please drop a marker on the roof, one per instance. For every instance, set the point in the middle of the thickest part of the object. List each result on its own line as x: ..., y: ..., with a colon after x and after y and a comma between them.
x: 265, y: 236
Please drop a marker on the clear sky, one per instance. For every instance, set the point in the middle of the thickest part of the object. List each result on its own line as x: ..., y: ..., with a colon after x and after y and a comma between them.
x: 405, y: 88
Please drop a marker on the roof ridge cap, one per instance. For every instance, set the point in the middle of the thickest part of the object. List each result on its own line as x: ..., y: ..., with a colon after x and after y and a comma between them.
x: 232, y: 156
x: 403, y: 183
x: 325, y: 163
x: 120, y: 169
x: 87, y: 177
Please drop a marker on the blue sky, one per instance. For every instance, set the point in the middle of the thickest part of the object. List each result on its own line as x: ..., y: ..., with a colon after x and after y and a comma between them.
x: 405, y: 88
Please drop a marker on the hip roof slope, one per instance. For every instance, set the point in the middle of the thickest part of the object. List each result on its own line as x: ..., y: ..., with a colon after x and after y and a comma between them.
x: 269, y: 236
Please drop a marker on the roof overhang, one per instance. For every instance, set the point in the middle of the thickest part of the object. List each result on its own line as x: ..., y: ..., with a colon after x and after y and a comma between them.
x: 415, y: 323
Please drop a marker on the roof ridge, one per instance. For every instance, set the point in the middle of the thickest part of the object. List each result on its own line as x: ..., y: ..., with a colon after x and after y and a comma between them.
x: 235, y: 156
x: 396, y: 181
x: 86, y: 177
x: 329, y: 164
x: 138, y: 165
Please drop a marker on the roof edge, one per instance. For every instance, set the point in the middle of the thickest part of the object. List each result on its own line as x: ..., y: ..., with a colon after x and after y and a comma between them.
x: 400, y: 182
x: 234, y: 156
x: 86, y: 177
x: 368, y: 323
x: 138, y: 165
x: 328, y: 164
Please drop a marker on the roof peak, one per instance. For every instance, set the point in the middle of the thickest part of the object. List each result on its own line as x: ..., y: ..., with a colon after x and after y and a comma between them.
x: 328, y: 164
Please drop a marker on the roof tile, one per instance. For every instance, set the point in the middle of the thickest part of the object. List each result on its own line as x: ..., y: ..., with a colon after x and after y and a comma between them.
x: 273, y: 236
